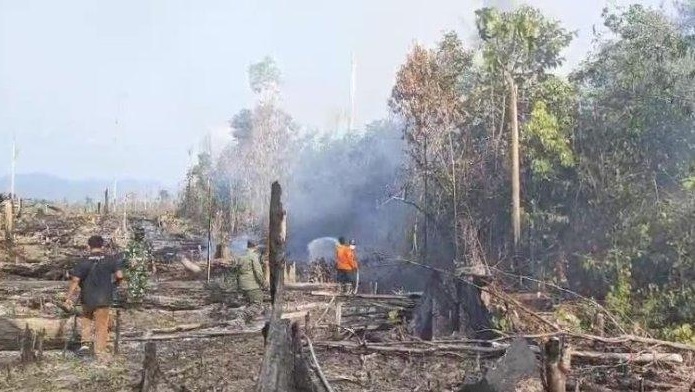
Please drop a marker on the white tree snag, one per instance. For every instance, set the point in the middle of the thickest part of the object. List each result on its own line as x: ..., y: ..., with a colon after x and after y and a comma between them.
x: 516, y: 181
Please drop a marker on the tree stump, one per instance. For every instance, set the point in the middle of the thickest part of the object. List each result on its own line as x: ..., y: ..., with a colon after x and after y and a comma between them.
x: 556, y: 365
x: 450, y: 305
x: 27, y: 342
x: 150, y: 369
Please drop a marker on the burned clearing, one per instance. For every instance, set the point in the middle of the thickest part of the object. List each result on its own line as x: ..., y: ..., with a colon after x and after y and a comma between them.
x: 440, y: 339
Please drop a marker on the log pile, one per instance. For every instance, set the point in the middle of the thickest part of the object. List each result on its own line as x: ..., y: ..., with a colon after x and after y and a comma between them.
x: 370, y: 312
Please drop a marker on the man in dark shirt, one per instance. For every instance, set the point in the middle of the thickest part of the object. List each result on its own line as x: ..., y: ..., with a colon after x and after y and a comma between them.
x: 94, y: 278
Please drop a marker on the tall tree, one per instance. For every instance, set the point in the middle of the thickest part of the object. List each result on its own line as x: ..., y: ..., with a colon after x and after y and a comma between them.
x: 427, y: 97
x: 260, y: 152
x: 520, y: 46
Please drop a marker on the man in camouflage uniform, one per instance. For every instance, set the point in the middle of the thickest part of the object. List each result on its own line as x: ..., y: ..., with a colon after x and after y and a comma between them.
x: 251, y: 280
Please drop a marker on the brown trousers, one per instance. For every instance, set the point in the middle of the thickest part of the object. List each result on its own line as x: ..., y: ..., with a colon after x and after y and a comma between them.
x: 97, y: 318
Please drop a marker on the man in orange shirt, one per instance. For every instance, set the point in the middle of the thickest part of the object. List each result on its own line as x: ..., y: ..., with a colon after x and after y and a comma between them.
x: 345, y: 265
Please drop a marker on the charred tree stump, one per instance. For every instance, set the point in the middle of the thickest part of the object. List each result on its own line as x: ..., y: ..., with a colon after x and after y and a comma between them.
x: 39, y: 344
x: 556, y: 365
x: 283, y: 367
x: 27, y: 342
x: 150, y: 369
x: 451, y: 305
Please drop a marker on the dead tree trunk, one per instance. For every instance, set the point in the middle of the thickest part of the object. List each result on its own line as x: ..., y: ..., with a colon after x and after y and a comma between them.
x: 283, y: 367
x: 276, y: 242
x: 106, y: 201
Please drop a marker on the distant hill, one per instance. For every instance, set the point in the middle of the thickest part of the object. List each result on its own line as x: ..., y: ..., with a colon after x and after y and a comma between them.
x: 49, y: 187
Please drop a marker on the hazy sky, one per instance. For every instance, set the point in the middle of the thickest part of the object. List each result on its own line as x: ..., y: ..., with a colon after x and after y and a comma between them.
x: 124, y: 88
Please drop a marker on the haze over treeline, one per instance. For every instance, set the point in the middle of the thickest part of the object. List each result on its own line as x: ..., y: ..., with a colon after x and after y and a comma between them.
x: 48, y: 187
x: 606, y: 161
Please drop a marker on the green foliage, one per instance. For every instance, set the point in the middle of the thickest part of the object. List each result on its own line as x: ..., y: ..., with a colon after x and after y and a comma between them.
x: 136, y: 274
x: 544, y: 129
x: 523, y: 43
x: 264, y: 75
x: 568, y: 319
x: 684, y: 333
x: 619, y: 298
x: 502, y: 323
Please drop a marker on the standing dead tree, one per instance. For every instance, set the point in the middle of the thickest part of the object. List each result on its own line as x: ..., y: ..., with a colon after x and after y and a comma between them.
x: 283, y: 367
x: 9, y: 220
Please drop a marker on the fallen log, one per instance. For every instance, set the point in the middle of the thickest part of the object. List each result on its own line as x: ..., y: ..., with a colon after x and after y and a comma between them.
x: 499, y: 349
x: 196, y: 335
x: 307, y: 306
x: 440, y: 349
x: 641, y: 358
x: 609, y: 340
x: 179, y: 328
x: 410, y: 297
x: 311, y: 286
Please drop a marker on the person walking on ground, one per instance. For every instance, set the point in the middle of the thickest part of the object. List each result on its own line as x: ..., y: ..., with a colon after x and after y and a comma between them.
x: 95, y: 277
x: 346, y: 266
x: 251, y: 280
